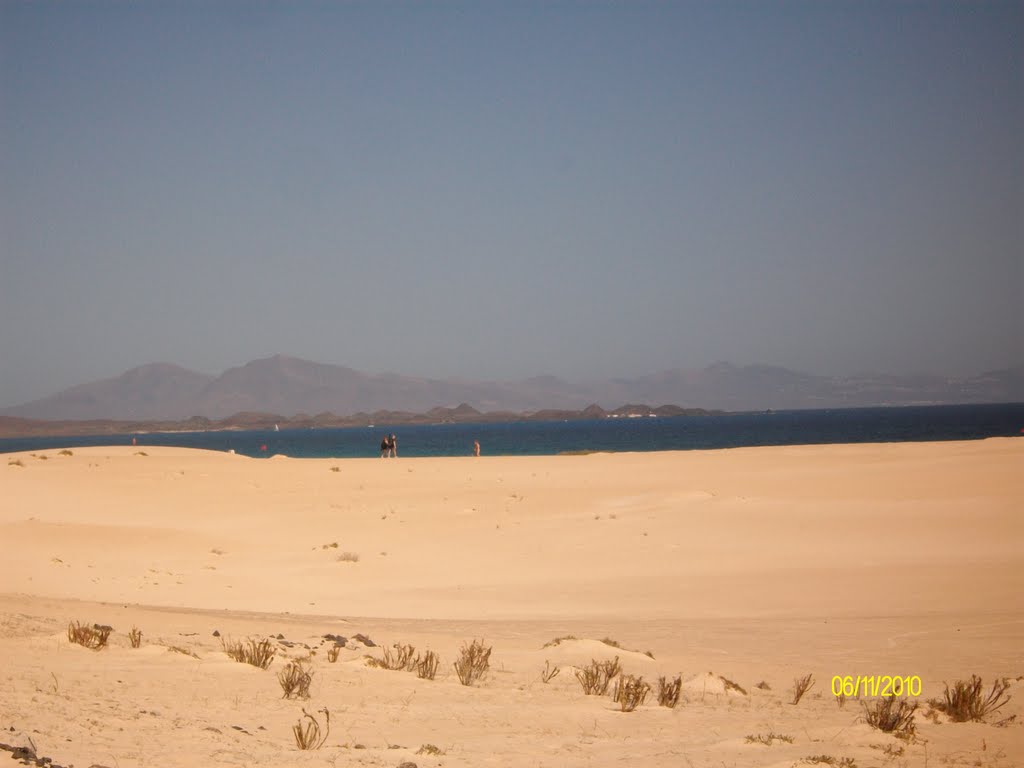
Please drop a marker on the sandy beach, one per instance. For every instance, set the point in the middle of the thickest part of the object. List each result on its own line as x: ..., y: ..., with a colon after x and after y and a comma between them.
x: 751, y: 565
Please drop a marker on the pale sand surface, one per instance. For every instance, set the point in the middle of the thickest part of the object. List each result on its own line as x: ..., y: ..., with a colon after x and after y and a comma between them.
x: 755, y: 563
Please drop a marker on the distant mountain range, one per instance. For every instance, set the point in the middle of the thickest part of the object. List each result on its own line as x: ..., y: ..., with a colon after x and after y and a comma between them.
x: 288, y: 387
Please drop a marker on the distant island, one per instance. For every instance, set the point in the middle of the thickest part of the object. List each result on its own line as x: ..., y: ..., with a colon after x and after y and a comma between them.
x: 11, y: 426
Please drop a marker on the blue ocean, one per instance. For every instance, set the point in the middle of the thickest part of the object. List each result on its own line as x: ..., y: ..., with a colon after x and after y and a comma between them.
x: 855, y: 425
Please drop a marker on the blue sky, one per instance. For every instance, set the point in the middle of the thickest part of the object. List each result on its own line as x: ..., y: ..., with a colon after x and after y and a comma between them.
x: 500, y: 190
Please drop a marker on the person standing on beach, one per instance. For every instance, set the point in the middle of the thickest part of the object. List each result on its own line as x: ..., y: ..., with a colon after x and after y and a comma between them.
x: 385, y: 446
x: 476, y: 447
x: 393, y: 445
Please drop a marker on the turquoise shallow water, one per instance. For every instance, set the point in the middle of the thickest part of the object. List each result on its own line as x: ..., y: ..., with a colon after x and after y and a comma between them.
x: 860, y: 425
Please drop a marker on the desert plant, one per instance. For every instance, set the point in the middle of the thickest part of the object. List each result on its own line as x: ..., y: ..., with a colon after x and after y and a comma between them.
x: 426, y: 666
x: 967, y: 700
x: 768, y: 739
x: 65, y: 452
x: 841, y: 700
x: 891, y: 715
x: 94, y: 637
x: 295, y: 680
x: 839, y: 762
x: 135, y: 637
x: 402, y: 658
x: 630, y: 692
x: 474, y: 661
x: 668, y: 691
x: 15, y: 463
x: 801, y: 685
x: 307, y: 730
x: 259, y: 654
x: 332, y: 653
x: 549, y: 673
x: 594, y: 679
x: 763, y: 686
x: 348, y: 557
x: 558, y: 640
x: 429, y: 749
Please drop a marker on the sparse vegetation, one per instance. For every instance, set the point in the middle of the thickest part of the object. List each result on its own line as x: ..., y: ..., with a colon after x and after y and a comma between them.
x: 801, y: 685
x: 183, y: 651
x: 596, y: 677
x: 768, y: 739
x: 15, y: 463
x: 403, y: 657
x: 295, y: 680
x: 307, y: 730
x: 474, y: 661
x: 348, y: 557
x: 841, y: 700
x: 135, y: 637
x: 558, y: 640
x: 335, y: 469
x: 839, y: 762
x: 549, y: 673
x: 763, y: 686
x: 426, y: 666
x: 332, y: 653
x: 668, y: 691
x: 630, y: 692
x: 258, y: 653
x: 429, y: 749
x: 65, y: 452
x: 968, y: 701
x: 93, y: 637
x: 891, y: 715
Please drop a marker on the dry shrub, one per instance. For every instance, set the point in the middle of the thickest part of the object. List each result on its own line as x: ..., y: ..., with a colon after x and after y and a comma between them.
x: 595, y: 678
x: 474, y: 661
x: 763, y: 686
x: 801, y: 685
x: 307, y: 730
x: 558, y: 640
x: 65, y: 452
x: 332, y: 653
x: 259, y: 654
x: 630, y: 692
x: 892, y: 715
x: 429, y: 749
x: 403, y: 657
x: 182, y: 651
x: 841, y: 700
x: 348, y: 557
x: 94, y: 637
x: 968, y: 701
x: 767, y: 740
x: 426, y: 666
x: 549, y: 673
x: 295, y: 680
x: 839, y: 762
x: 135, y: 637
x: 668, y: 692
x: 15, y: 463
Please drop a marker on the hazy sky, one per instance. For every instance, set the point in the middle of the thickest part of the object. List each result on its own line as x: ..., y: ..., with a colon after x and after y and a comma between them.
x: 499, y: 190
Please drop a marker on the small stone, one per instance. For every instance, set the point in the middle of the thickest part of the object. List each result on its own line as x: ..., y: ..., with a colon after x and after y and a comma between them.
x: 216, y: 633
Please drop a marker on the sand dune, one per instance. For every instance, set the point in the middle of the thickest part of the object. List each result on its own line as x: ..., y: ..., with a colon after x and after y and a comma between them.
x: 752, y: 565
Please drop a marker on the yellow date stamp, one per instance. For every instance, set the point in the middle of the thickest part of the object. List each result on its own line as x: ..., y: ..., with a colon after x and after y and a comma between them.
x: 876, y: 685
